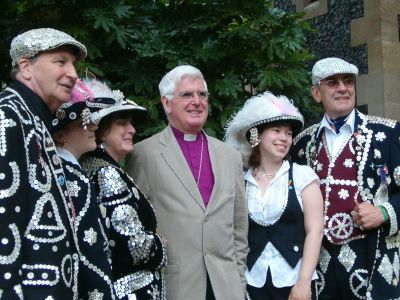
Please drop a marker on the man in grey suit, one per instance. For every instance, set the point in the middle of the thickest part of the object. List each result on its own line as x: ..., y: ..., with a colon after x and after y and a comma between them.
x: 195, y: 183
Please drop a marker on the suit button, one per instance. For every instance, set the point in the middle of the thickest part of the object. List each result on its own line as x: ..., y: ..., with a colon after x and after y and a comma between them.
x: 205, y: 220
x: 296, y: 249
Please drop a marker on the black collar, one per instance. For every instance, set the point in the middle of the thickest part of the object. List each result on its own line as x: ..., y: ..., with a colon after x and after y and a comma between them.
x: 36, y: 104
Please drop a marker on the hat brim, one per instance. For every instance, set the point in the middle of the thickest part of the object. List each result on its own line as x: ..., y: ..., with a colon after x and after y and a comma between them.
x: 138, y: 112
x: 295, y: 123
x: 71, y: 114
x: 79, y: 51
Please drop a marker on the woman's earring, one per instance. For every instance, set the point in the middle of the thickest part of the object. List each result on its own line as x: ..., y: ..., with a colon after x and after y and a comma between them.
x: 103, y: 146
x: 254, y: 140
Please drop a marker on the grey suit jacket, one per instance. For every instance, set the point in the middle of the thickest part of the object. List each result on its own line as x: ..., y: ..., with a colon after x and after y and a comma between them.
x: 201, y: 239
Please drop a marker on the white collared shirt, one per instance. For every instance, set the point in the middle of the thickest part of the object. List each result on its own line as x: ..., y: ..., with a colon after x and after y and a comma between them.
x: 268, y: 209
x: 335, y: 141
x: 68, y: 156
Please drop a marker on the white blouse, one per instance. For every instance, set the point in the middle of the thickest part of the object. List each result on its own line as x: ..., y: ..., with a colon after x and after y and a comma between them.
x: 267, y: 209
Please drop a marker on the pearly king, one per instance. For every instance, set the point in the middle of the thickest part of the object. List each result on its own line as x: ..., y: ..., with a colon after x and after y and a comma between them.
x: 375, y: 179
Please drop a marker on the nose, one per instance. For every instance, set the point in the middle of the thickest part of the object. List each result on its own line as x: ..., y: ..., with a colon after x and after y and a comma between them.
x: 284, y: 136
x: 131, y: 129
x: 71, y: 71
x: 341, y: 86
x: 196, y: 99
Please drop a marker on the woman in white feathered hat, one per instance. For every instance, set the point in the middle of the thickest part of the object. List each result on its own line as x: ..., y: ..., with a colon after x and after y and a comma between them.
x: 284, y: 200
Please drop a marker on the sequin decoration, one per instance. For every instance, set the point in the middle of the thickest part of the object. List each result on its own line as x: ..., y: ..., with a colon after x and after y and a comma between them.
x: 396, y: 175
x: 30, y: 43
x: 358, y: 283
x: 40, y: 223
x: 15, y: 181
x: 386, y: 269
x: 95, y: 295
x: 11, y: 258
x: 324, y: 259
x: 60, y: 114
x: 125, y: 220
x: 90, y: 236
x: 347, y: 257
x: 111, y: 183
x: 380, y: 136
x: 32, y: 274
x: 4, y: 124
x: 131, y: 283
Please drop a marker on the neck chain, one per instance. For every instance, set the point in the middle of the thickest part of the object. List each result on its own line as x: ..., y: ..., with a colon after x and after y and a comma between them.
x: 260, y: 175
x: 201, y: 160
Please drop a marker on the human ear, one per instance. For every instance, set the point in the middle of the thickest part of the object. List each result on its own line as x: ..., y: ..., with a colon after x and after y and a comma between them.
x: 59, y: 138
x: 166, y: 104
x: 316, y: 93
x: 25, y: 68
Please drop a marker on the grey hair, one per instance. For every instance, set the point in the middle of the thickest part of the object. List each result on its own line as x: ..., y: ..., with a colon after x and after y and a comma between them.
x: 168, y: 83
x: 15, y: 68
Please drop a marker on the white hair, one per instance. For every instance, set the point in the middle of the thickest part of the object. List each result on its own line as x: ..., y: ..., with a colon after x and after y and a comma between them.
x: 168, y: 83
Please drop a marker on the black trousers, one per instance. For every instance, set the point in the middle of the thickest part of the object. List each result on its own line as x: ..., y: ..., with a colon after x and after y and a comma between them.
x: 340, y: 282
x: 209, y: 290
x: 268, y: 291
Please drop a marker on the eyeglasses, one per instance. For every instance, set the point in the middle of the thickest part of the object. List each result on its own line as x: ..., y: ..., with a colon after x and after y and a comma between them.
x: 188, y: 95
x: 335, y: 82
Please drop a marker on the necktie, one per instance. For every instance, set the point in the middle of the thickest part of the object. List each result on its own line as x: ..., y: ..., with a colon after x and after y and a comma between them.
x: 338, y: 122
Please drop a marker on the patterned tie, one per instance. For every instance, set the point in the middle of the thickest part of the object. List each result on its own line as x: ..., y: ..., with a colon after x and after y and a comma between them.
x: 338, y: 122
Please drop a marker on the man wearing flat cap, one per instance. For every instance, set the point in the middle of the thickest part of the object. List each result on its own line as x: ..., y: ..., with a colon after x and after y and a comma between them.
x: 38, y: 256
x: 357, y: 158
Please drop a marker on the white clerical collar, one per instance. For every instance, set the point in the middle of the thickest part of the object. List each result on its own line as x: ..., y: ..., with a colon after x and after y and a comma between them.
x: 189, y: 137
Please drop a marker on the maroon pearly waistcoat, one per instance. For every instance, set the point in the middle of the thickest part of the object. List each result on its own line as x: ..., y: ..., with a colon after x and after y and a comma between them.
x: 340, y: 191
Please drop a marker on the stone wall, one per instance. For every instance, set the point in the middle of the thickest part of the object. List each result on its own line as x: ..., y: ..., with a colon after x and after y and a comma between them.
x: 363, y: 32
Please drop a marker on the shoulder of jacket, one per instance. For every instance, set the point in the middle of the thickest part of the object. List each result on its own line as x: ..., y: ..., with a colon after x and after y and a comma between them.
x: 379, y: 120
x: 306, y: 132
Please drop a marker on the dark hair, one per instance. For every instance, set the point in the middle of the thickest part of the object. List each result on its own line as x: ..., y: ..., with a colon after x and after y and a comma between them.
x: 106, y: 123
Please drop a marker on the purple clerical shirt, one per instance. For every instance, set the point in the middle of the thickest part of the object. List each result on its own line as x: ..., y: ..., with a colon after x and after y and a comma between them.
x: 191, y: 146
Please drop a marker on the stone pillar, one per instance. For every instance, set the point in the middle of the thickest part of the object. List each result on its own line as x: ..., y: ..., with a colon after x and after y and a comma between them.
x: 379, y: 29
x: 312, y: 8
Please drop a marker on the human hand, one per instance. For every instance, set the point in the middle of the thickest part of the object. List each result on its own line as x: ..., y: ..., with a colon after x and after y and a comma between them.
x: 301, y: 291
x: 367, y: 216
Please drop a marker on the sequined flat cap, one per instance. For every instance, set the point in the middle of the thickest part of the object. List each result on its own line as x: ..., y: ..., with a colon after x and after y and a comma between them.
x: 30, y: 43
x: 331, y: 66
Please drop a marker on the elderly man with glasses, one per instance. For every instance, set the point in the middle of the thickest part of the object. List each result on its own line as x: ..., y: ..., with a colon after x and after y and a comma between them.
x: 195, y: 183
x: 357, y: 158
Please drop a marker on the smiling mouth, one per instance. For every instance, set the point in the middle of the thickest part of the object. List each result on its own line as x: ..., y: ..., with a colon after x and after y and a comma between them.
x: 281, y: 147
x: 68, y: 87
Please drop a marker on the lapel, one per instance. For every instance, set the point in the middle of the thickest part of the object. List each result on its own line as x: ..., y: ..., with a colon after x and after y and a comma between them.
x: 175, y: 160
x: 218, y: 169
x: 362, y: 143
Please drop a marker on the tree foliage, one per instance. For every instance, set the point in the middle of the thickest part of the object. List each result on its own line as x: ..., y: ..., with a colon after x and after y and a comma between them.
x: 242, y: 47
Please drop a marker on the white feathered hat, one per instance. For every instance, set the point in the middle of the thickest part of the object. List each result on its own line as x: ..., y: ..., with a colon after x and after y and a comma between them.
x: 107, y: 101
x: 258, y: 111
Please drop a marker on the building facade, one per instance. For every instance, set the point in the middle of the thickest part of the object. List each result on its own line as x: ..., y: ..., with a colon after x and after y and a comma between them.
x: 365, y: 33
